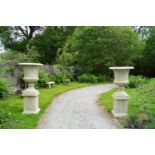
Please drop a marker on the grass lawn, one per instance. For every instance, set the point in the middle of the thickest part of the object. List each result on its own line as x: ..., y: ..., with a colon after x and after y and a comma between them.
x: 11, y: 108
x: 141, y: 106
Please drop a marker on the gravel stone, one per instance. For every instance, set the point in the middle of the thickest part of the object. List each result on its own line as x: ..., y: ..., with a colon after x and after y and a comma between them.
x: 78, y: 109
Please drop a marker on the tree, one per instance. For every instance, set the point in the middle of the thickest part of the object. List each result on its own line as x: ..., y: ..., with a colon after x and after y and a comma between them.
x: 97, y: 48
x: 143, y: 31
x: 147, y: 64
x: 50, y: 41
x: 18, y: 37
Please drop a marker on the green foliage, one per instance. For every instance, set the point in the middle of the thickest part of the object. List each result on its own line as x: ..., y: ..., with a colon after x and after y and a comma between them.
x: 51, y: 77
x: 5, y: 116
x: 4, y: 88
x: 146, y: 65
x: 87, y: 78
x: 102, y: 78
x: 97, y: 48
x: 141, y: 106
x: 136, y: 81
x: 43, y: 79
x: 11, y: 108
x: 17, y: 38
x: 33, y: 54
x: 65, y: 59
x: 59, y: 77
x: 48, y: 43
x: 15, y: 56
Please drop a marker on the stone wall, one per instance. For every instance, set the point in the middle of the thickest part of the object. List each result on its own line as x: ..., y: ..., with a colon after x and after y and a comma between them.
x: 14, y: 74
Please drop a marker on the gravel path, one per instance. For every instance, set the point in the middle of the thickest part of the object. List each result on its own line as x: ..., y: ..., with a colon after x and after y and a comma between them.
x: 78, y: 109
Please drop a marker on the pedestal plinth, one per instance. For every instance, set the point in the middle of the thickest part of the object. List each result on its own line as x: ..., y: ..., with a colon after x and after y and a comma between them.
x: 120, y: 104
x: 30, y: 101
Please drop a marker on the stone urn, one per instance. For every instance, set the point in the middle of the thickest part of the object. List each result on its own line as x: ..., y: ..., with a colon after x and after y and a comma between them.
x: 30, y: 94
x: 120, y: 98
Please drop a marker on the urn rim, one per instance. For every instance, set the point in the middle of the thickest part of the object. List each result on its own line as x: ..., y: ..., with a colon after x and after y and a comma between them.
x: 30, y: 64
x: 122, y: 68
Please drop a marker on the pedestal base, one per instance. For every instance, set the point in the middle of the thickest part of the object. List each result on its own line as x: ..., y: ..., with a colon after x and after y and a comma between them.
x: 119, y: 115
x: 31, y: 103
x: 120, y: 105
x: 31, y: 112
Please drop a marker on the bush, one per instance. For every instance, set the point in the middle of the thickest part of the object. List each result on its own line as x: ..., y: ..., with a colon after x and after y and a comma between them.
x: 136, y: 81
x: 102, y: 78
x: 15, y: 56
x: 60, y: 77
x: 87, y: 78
x: 43, y: 79
x: 4, y: 88
x: 51, y: 77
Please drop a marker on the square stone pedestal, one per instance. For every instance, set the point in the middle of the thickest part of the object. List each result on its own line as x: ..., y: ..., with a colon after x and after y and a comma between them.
x: 30, y: 101
x: 120, y: 105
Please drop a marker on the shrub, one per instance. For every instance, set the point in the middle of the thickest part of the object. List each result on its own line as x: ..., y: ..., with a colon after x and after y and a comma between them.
x: 87, y: 78
x: 136, y: 81
x: 4, y: 88
x: 69, y: 75
x: 15, y: 56
x: 5, y: 117
x: 60, y: 77
x: 51, y: 77
x: 43, y: 79
x: 102, y: 78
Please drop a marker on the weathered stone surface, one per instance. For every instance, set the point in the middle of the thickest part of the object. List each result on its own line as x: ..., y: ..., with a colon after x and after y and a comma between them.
x: 30, y: 95
x: 120, y: 98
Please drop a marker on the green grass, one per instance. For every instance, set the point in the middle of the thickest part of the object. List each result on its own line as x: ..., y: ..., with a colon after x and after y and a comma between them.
x: 141, y: 106
x: 11, y: 108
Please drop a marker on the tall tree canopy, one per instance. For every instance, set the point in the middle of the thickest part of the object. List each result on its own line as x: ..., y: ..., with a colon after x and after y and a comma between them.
x: 50, y: 41
x: 97, y: 48
x: 146, y: 65
x: 17, y: 37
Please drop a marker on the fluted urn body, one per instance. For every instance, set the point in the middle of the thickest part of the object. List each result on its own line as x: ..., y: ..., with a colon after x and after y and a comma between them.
x: 120, y: 103
x: 30, y: 94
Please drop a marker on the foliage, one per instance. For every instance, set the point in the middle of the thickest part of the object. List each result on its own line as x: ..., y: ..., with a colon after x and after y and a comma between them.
x: 15, y: 56
x: 17, y: 38
x: 136, y: 81
x: 60, y: 77
x: 11, y: 108
x: 51, y: 77
x: 97, y: 48
x: 4, y: 88
x: 49, y: 42
x: 141, y: 107
x: 146, y: 65
x: 43, y: 79
x: 87, y: 78
x: 65, y: 59
x: 33, y: 54
x: 102, y: 78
